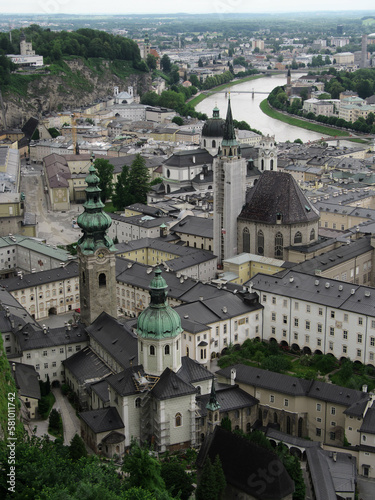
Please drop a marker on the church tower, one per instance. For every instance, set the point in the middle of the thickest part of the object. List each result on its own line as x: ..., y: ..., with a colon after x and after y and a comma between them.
x: 267, y: 158
x: 213, y: 410
x: 159, y: 331
x: 96, y: 254
x: 229, y: 191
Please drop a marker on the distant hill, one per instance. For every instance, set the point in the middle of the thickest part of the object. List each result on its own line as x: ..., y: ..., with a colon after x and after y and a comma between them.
x: 81, y: 67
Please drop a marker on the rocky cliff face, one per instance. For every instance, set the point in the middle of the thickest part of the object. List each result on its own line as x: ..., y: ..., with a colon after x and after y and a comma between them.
x: 77, y: 86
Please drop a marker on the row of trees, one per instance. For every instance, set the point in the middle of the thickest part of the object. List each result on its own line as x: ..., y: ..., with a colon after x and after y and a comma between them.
x: 50, y: 470
x: 278, y: 99
x: 85, y: 42
x: 174, y: 99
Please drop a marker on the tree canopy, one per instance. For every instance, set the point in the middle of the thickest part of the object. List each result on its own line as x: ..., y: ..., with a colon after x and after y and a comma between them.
x: 105, y: 173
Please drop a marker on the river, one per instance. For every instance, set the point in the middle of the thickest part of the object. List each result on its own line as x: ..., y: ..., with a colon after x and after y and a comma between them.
x: 244, y: 107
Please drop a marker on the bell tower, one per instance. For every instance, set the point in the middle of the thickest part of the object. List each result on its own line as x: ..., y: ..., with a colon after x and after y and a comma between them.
x: 229, y: 191
x: 159, y: 331
x: 96, y: 255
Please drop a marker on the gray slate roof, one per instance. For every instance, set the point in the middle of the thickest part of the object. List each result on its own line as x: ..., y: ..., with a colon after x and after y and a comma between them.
x: 85, y: 365
x: 188, y: 158
x: 191, y: 371
x: 278, y: 192
x: 329, y: 292
x: 119, y: 341
x: 230, y: 397
x: 27, y: 380
x: 37, y: 279
x: 123, y: 383
x: 292, y: 385
x: 102, y: 420
x: 170, y: 385
x: 30, y: 337
x: 368, y: 424
x: 196, y: 226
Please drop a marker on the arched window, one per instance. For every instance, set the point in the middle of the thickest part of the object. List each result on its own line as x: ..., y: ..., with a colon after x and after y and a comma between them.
x: 312, y: 234
x: 102, y: 280
x: 298, y: 237
x: 275, y: 418
x: 262, y: 165
x: 248, y: 427
x: 137, y: 403
x: 271, y: 165
x: 167, y: 350
x: 178, y: 420
x: 187, y: 351
x: 246, y: 240
x: 236, y: 414
x: 152, y: 350
x: 168, y: 173
x: 199, y: 390
x: 279, y: 245
x: 204, y: 143
x: 216, y: 416
x: 214, y: 143
x: 260, y: 242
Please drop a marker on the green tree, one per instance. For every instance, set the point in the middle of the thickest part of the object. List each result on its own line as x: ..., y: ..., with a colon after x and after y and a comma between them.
x: 178, y: 120
x: 122, y: 196
x: 165, y: 63
x: 151, y: 61
x: 105, y: 173
x: 206, y: 489
x: 77, y: 448
x: 143, y: 470
x: 139, y: 180
x: 200, y: 63
x: 226, y: 423
x: 220, y: 481
x: 177, y: 480
x: 54, y: 421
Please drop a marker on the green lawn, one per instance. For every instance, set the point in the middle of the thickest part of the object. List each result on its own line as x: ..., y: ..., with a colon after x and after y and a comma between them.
x: 291, y: 120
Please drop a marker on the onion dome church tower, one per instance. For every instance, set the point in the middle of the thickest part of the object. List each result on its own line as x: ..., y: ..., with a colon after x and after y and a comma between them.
x: 159, y: 331
x: 212, y: 132
x: 229, y: 191
x: 96, y: 254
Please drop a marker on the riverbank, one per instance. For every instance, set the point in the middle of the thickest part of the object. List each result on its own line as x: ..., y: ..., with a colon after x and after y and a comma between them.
x: 207, y: 93
x: 296, y: 122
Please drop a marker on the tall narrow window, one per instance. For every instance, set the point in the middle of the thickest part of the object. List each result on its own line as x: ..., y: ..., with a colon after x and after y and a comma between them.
x: 260, y: 242
x: 279, y: 245
x: 167, y: 349
x: 312, y: 234
x: 152, y: 350
x: 246, y: 240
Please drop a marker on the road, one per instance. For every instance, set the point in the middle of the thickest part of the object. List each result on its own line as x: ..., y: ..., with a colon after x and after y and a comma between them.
x: 55, y: 227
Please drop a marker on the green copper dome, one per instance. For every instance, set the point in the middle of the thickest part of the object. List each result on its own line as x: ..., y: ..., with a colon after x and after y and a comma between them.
x: 93, y: 221
x: 158, y: 320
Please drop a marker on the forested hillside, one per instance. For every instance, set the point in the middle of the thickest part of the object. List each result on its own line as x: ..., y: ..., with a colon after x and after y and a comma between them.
x: 81, y: 66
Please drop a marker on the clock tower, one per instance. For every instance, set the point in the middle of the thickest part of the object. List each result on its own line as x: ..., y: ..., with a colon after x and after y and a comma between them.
x: 96, y: 254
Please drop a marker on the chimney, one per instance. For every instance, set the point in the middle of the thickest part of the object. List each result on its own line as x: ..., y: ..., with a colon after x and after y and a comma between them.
x: 44, y: 329
x: 233, y: 374
x: 14, y: 367
x: 69, y: 327
x: 334, y: 456
x: 364, y: 388
x: 7, y: 313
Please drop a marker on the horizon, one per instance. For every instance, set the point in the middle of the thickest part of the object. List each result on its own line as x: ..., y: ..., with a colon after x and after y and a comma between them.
x: 195, y: 7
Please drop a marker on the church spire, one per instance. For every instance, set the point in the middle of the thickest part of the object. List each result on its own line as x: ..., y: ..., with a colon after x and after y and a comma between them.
x: 229, y: 144
x: 213, y: 404
x: 93, y: 221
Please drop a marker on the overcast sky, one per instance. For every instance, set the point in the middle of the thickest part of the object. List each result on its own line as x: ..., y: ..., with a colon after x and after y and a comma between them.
x: 168, y: 6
